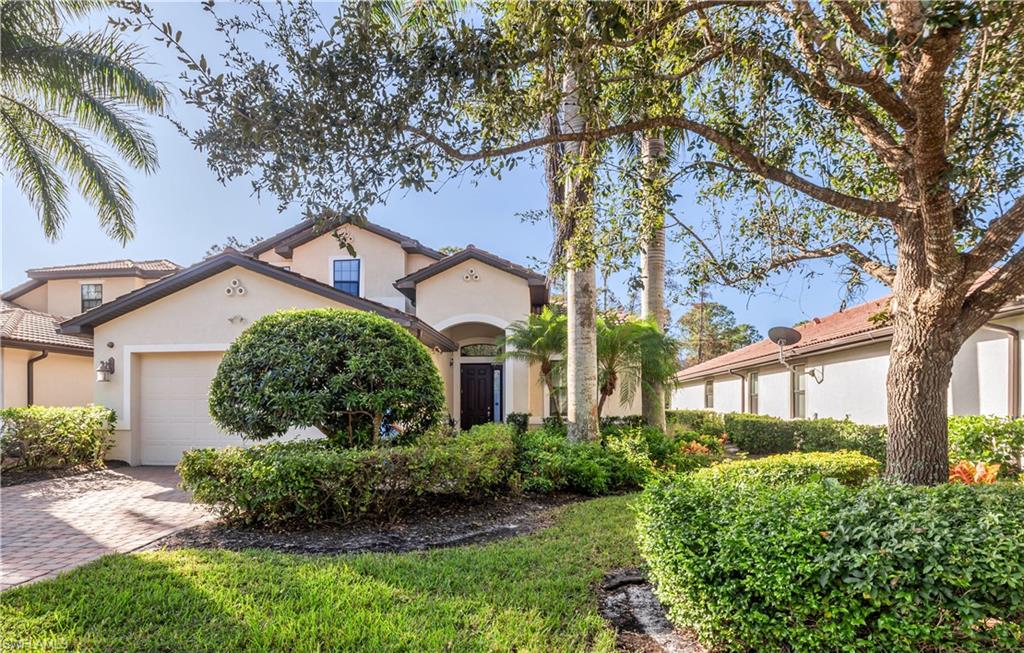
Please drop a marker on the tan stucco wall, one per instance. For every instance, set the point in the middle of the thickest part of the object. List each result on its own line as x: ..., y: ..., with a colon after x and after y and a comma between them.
x: 270, y: 256
x: 60, y: 379
x: 34, y: 300
x: 382, y: 262
x: 415, y: 262
x: 497, y: 294
x: 64, y: 296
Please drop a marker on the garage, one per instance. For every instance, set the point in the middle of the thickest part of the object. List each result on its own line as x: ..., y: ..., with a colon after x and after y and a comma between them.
x: 173, y: 416
x: 161, y: 344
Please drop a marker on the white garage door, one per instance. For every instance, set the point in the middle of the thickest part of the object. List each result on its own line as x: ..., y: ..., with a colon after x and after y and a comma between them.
x: 174, y: 417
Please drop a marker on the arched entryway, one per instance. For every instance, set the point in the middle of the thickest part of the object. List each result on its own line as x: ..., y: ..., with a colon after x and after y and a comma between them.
x: 478, y: 379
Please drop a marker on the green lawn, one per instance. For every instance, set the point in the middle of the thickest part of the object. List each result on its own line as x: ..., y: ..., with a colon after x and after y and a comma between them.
x: 531, y: 593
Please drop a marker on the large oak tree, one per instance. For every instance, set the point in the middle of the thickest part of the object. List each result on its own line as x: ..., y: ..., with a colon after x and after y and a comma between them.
x: 883, y: 134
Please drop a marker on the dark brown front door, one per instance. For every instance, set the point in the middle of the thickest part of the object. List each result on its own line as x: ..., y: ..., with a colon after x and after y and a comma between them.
x: 477, y: 394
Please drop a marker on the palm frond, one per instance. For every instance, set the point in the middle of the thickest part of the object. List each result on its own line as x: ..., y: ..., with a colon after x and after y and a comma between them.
x: 122, y: 130
x: 101, y: 64
x: 98, y: 179
x: 33, y: 171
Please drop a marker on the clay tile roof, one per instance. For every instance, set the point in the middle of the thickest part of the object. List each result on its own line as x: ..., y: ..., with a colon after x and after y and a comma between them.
x: 119, y: 265
x: 817, y: 334
x: 20, y: 326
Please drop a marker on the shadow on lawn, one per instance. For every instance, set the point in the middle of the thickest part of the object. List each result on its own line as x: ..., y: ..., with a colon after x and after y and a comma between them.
x: 534, y: 592
x: 118, y: 603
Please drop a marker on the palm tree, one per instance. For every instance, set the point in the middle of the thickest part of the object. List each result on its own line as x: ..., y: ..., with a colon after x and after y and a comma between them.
x: 632, y: 353
x: 540, y: 339
x: 652, y: 306
x: 59, y: 92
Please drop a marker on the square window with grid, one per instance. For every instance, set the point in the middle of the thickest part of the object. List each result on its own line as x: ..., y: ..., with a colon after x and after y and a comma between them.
x: 92, y: 295
x: 346, y: 276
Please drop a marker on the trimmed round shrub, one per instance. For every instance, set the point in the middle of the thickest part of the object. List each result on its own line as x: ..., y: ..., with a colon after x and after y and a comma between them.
x: 346, y: 373
x: 847, y: 467
x: 819, y: 566
x: 310, y: 482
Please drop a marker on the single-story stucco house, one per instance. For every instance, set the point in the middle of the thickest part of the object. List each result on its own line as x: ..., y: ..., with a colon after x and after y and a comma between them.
x: 838, y: 369
x: 164, y: 337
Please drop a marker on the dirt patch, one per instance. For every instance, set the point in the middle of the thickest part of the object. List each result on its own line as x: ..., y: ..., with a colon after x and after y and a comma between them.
x: 11, y: 477
x: 430, y: 527
x: 627, y: 601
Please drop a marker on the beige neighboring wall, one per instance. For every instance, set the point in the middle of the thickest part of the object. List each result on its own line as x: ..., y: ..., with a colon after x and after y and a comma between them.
x: 490, y: 293
x: 64, y: 296
x: 60, y: 379
x: 414, y: 262
x: 382, y: 262
x: 34, y: 300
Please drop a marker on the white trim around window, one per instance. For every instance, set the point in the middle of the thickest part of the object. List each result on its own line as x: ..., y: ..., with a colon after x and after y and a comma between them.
x: 362, y: 272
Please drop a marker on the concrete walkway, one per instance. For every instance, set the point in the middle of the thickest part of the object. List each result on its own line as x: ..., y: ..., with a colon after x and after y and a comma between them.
x: 51, y: 526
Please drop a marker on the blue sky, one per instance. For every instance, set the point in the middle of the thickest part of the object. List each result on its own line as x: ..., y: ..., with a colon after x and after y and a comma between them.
x: 182, y: 209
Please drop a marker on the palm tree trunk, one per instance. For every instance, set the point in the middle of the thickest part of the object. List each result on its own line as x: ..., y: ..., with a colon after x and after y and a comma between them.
x: 580, y: 280
x: 652, y: 306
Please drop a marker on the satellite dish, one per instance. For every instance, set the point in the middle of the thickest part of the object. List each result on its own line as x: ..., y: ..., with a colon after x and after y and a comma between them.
x: 783, y: 336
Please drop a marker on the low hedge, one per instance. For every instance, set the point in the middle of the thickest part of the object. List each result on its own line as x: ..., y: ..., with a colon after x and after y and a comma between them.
x: 49, y: 437
x: 819, y: 566
x: 312, y: 481
x: 624, y: 459
x: 988, y: 439
x: 701, y: 421
x: 764, y: 434
x: 848, y: 467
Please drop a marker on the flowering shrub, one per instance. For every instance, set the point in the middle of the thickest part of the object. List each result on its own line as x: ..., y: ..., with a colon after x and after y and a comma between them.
x: 973, y: 473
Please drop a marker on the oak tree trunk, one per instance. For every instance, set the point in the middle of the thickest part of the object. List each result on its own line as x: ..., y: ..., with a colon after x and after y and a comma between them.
x: 652, y: 305
x: 580, y: 282
x: 925, y: 341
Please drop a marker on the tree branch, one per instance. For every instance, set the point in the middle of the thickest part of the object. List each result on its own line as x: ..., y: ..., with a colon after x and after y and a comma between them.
x: 713, y: 53
x: 1004, y: 285
x: 892, y: 154
x: 999, y: 239
x: 869, y: 208
x: 857, y: 24
x: 819, y: 46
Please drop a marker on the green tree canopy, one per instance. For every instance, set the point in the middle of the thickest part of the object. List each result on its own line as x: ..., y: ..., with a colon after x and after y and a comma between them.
x: 709, y: 329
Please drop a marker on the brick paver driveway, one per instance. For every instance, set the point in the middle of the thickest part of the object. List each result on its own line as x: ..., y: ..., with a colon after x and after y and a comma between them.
x: 51, y: 526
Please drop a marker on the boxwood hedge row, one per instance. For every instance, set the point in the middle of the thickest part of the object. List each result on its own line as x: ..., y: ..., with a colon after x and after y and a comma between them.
x: 791, y: 564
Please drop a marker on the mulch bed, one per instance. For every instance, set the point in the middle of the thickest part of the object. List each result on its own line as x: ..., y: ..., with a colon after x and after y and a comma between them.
x: 11, y: 477
x: 431, y: 526
x: 627, y: 601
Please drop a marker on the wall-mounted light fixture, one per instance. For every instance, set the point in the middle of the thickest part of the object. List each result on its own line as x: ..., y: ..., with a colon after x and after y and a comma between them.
x: 105, y: 370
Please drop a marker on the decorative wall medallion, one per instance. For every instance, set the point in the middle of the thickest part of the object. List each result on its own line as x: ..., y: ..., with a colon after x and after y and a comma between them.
x: 235, y: 288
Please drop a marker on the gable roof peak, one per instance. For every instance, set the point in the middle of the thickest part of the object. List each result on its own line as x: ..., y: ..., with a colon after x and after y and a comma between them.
x: 299, y: 234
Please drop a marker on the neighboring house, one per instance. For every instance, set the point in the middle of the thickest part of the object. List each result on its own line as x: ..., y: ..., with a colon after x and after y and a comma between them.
x: 41, y: 366
x: 838, y: 369
x: 165, y: 339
